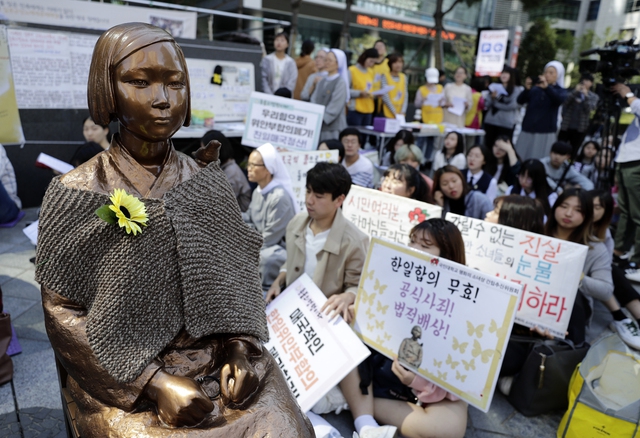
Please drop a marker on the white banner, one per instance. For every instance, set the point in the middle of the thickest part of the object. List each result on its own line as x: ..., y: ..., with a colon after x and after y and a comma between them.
x: 285, y: 123
x: 492, y: 51
x: 94, y: 15
x: 548, y: 268
x: 384, y: 215
x: 445, y: 321
x: 299, y: 163
x: 228, y: 102
x: 313, y: 353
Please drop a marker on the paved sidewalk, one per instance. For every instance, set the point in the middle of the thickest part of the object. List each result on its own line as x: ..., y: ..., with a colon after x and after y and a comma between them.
x: 30, y: 405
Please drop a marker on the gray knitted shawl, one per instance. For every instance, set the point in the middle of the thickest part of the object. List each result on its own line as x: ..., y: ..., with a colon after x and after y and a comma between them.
x: 195, y: 265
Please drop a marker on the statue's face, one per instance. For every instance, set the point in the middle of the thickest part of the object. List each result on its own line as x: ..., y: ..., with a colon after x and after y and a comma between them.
x: 151, y: 93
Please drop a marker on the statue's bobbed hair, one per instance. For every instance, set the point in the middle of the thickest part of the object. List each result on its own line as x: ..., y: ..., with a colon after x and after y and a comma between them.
x: 112, y: 48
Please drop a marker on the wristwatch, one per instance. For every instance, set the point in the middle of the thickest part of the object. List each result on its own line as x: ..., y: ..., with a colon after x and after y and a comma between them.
x: 629, y: 95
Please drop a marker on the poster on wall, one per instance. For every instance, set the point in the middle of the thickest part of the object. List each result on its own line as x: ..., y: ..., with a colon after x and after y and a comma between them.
x: 380, y: 214
x: 492, y: 51
x: 285, y: 123
x: 10, y: 125
x: 445, y: 321
x: 313, y: 352
x: 97, y: 15
x: 549, y: 269
x: 220, y: 91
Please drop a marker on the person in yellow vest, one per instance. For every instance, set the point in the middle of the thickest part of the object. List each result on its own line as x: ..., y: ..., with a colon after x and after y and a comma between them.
x: 380, y: 68
x: 395, y: 101
x: 431, y: 108
x: 361, y: 105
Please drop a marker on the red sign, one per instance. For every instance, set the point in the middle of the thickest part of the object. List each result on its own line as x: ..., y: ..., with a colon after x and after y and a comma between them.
x: 365, y: 20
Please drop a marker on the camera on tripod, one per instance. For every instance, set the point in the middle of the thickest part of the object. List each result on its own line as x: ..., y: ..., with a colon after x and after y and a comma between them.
x: 619, y: 61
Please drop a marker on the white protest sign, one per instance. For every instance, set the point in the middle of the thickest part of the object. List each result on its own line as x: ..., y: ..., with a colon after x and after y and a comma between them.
x: 285, y: 123
x: 447, y: 322
x: 384, y: 215
x: 492, y: 51
x: 548, y: 268
x: 299, y: 163
x: 313, y: 353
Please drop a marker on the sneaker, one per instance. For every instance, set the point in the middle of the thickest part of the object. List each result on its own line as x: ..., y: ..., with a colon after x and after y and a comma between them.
x: 332, y: 401
x: 628, y: 332
x: 632, y: 272
x: 377, y: 432
x: 504, y: 384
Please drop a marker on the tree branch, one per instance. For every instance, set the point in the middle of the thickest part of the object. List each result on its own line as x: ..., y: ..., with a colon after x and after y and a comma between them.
x: 451, y: 7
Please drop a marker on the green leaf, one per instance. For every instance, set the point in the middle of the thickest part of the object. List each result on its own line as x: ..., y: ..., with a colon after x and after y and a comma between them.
x: 107, y: 215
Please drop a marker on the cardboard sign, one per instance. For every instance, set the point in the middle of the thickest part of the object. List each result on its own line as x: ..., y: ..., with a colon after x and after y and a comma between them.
x: 285, y: 123
x: 383, y: 215
x: 299, y: 163
x: 313, y: 353
x: 443, y: 320
x: 548, y: 268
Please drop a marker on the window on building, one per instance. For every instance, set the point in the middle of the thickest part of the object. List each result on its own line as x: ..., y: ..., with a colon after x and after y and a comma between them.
x: 633, y: 6
x: 562, y: 10
x: 594, y: 8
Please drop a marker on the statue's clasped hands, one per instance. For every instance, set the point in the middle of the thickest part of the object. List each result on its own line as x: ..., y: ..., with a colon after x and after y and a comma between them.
x: 181, y: 401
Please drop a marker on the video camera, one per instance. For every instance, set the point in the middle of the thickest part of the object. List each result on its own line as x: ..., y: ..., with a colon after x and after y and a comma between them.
x: 619, y: 61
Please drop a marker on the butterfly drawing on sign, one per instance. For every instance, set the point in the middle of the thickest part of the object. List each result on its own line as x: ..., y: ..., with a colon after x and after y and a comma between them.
x: 451, y: 362
x: 387, y: 336
x: 379, y: 286
x: 500, y: 332
x: 457, y: 345
x: 478, y: 351
x: 469, y: 365
x: 368, y: 275
x: 379, y: 340
x: 380, y: 324
x: 382, y: 309
x: 442, y: 376
x: 369, y: 313
x: 370, y: 327
x: 477, y: 330
x: 436, y: 363
x: 367, y: 298
x: 460, y: 377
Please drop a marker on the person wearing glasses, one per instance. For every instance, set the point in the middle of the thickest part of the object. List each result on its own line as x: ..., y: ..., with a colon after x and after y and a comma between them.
x: 272, y: 206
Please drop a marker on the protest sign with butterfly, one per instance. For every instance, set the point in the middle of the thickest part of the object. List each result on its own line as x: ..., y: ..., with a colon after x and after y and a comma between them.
x: 443, y: 320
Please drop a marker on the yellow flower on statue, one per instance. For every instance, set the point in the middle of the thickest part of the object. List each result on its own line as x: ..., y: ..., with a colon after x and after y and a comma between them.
x: 129, y: 210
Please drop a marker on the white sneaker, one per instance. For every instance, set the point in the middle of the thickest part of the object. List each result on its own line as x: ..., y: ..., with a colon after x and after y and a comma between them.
x: 333, y: 401
x: 504, y: 384
x: 628, y: 331
x: 377, y: 432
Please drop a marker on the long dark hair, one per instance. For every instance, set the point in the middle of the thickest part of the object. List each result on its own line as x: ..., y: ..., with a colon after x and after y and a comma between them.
x: 449, y: 169
x: 407, y: 138
x: 521, y: 212
x: 580, y: 156
x: 491, y: 165
x: 413, y: 180
x: 606, y: 201
x: 446, y: 237
x: 485, y: 154
x: 459, y: 146
x: 535, y: 170
x: 583, y: 233
x: 513, y: 73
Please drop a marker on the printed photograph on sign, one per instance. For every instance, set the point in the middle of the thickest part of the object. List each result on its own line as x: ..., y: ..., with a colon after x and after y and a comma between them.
x: 313, y: 353
x: 285, y: 123
x: 549, y: 269
x: 443, y: 320
x: 379, y: 214
x: 299, y: 163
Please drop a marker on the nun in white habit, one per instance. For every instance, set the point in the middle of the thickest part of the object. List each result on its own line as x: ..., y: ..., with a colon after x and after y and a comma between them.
x: 333, y: 93
x: 272, y: 206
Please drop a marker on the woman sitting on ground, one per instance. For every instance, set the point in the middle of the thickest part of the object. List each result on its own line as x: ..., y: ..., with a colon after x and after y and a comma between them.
x: 453, y: 194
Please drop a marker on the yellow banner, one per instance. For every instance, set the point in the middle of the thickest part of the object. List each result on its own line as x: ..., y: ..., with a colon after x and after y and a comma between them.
x: 10, y: 126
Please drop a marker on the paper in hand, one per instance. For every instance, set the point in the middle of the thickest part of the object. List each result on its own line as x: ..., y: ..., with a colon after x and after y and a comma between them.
x: 498, y: 89
x: 433, y: 99
x: 458, y: 106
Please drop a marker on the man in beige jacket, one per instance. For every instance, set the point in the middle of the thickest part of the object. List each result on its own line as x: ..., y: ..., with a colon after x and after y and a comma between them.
x: 322, y: 243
